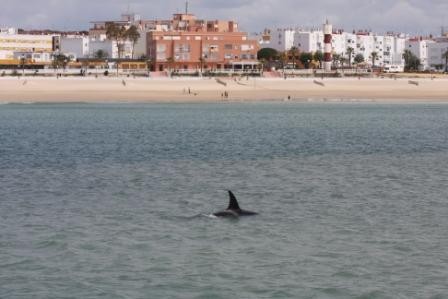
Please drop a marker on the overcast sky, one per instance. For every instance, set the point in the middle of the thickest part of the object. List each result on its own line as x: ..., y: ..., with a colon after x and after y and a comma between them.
x: 408, y: 16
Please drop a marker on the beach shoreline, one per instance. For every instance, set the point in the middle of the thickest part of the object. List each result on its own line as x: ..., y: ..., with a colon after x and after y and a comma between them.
x: 190, y: 90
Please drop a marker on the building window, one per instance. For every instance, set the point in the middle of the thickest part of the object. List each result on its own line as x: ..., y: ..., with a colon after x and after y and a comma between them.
x: 228, y: 46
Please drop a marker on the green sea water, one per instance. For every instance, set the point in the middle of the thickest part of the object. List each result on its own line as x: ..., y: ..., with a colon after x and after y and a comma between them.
x: 112, y: 201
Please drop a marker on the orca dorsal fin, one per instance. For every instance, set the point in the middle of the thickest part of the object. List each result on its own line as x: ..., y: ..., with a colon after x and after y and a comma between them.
x: 233, y: 203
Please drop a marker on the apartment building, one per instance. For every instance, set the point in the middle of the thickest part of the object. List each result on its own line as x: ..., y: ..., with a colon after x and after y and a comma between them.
x: 194, y: 44
x: 419, y: 47
x: 282, y: 39
x: 389, y: 48
x: 436, y: 54
x: 309, y: 40
x: 11, y: 42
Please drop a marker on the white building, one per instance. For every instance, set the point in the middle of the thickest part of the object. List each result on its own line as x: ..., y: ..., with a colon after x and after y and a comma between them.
x: 419, y: 47
x: 35, y: 57
x: 11, y: 42
x: 86, y: 47
x: 77, y: 46
x: 140, y: 48
x: 436, y: 52
x: 8, y: 30
x: 309, y: 41
x: 110, y: 47
x: 393, y: 50
x: 389, y: 48
x: 281, y: 39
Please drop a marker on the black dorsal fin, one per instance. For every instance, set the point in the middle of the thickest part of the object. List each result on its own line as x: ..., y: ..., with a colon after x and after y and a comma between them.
x: 233, y: 203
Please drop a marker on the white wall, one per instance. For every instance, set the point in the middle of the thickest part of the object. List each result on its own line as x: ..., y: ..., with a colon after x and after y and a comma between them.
x: 390, y: 48
x: 309, y: 41
x: 75, y: 45
x: 419, y: 47
x: 140, y: 48
x: 107, y: 46
x: 282, y: 39
x: 435, y: 53
x: 36, y: 57
x: 110, y: 48
x: 10, y: 43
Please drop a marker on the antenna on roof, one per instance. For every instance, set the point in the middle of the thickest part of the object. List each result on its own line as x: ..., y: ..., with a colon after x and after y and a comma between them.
x: 186, y: 7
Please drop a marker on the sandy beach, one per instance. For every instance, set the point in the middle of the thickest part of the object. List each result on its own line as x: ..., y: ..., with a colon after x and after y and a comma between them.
x: 39, y: 89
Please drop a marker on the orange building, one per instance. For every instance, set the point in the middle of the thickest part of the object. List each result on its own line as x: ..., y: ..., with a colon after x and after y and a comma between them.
x: 193, y: 44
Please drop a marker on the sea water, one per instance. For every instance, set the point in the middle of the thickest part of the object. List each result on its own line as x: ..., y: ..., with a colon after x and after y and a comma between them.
x: 110, y: 201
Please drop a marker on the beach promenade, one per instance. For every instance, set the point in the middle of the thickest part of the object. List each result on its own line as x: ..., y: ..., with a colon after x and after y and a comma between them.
x: 111, y: 90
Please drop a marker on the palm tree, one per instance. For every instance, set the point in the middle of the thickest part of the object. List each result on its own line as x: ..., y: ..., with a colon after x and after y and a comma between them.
x: 336, y: 59
x: 117, y: 34
x: 374, y: 56
x: 412, y: 62
x: 22, y: 64
x: 133, y: 35
x: 201, y: 62
x: 445, y: 55
x: 283, y: 59
x: 318, y: 56
x: 294, y: 53
x: 60, y: 60
x: 306, y: 58
x: 350, y: 51
x: 170, y: 61
x: 101, y: 54
x: 150, y: 64
x: 359, y: 58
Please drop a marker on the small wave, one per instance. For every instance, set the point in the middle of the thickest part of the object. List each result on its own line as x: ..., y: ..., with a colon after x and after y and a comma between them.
x: 209, y: 216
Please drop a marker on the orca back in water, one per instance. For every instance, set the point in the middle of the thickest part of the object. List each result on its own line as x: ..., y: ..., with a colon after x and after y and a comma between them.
x: 234, y: 209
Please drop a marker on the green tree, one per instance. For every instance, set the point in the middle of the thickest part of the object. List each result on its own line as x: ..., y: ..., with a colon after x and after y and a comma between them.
x: 374, y: 56
x: 318, y: 56
x: 201, y: 63
x: 170, y: 61
x: 359, y: 58
x: 132, y: 35
x: 293, y: 55
x: 306, y: 58
x: 336, y: 59
x: 268, y: 54
x: 101, y: 54
x: 22, y: 64
x: 343, y: 60
x: 116, y: 33
x: 60, y: 61
x: 150, y: 65
x: 283, y: 57
x: 350, y: 52
x: 412, y: 63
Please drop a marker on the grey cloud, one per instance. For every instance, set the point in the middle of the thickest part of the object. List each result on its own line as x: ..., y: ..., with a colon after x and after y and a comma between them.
x: 411, y: 16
